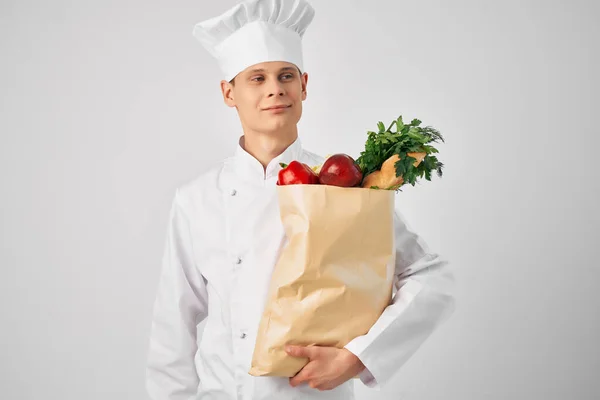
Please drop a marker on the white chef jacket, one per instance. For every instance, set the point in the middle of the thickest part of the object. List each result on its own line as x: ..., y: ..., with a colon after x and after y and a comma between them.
x: 223, y: 239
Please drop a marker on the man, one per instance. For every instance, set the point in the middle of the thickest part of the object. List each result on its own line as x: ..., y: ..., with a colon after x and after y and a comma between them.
x: 224, y: 235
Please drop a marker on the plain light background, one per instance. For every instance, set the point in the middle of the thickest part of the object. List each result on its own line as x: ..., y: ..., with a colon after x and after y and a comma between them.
x: 108, y: 106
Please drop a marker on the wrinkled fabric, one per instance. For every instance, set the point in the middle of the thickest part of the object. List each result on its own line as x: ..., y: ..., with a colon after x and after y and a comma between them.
x: 224, y: 235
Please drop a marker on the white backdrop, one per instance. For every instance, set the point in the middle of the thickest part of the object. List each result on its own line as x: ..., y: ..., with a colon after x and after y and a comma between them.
x: 108, y: 106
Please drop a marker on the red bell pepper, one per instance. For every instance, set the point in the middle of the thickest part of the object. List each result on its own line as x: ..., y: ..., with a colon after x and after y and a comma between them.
x: 296, y: 173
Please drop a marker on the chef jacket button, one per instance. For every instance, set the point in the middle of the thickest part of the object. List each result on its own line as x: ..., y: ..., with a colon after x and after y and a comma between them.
x: 233, y: 192
x: 238, y: 260
x: 243, y: 335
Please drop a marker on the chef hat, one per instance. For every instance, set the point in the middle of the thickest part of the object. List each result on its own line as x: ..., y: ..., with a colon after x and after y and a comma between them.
x: 256, y: 31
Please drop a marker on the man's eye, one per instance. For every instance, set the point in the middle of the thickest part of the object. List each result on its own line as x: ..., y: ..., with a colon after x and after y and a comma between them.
x: 287, y: 76
x: 257, y: 78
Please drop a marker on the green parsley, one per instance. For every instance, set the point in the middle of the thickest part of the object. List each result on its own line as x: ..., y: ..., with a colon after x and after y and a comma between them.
x: 409, y: 138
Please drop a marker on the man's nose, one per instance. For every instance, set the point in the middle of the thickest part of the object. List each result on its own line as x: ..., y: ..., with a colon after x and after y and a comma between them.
x: 276, y: 88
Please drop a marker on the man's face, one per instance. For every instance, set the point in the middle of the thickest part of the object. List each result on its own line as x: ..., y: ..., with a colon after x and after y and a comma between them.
x: 268, y: 96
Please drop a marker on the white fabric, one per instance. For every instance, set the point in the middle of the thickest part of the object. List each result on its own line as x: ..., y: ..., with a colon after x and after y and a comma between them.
x: 256, y: 31
x: 223, y: 239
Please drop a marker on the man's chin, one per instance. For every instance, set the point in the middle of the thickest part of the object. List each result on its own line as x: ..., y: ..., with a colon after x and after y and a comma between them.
x: 278, y: 124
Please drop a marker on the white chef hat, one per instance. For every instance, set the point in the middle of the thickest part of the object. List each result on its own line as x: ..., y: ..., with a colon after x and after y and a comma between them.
x: 256, y: 31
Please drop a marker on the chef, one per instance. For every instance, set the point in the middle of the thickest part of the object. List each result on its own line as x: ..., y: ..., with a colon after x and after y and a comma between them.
x: 224, y: 235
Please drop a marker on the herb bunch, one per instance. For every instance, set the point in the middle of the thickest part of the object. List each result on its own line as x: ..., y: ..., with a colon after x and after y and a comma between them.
x: 407, y: 138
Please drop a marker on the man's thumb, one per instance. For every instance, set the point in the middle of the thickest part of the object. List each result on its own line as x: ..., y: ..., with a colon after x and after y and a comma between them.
x: 299, y: 351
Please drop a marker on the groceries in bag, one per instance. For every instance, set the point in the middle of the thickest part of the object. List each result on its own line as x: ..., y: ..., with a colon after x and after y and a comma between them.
x: 334, y: 276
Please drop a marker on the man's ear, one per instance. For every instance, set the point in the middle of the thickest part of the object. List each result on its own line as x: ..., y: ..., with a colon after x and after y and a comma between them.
x: 304, y: 84
x: 227, y: 91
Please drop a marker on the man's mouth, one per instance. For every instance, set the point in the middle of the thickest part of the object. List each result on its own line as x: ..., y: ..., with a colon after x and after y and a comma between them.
x: 277, y: 107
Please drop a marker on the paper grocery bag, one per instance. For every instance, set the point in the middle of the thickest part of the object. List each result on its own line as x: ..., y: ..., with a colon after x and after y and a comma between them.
x: 334, y: 276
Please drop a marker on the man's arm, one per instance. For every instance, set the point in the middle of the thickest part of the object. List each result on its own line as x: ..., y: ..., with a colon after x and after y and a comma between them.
x: 181, y: 304
x: 423, y: 300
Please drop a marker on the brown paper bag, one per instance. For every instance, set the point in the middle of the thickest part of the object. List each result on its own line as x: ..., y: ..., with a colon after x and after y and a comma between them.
x: 334, y: 276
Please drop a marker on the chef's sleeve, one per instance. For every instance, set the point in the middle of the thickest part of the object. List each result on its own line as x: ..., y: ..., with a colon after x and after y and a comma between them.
x: 181, y: 304
x: 423, y: 299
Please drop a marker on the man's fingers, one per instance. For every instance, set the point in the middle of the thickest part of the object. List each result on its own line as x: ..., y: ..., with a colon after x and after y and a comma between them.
x: 303, y: 376
x: 306, y: 374
x: 297, y: 351
x: 302, y: 351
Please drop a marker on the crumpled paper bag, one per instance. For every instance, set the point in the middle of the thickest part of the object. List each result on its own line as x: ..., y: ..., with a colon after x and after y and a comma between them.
x: 334, y: 276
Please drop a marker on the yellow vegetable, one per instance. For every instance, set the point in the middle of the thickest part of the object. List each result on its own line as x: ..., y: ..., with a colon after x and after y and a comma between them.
x: 386, y: 177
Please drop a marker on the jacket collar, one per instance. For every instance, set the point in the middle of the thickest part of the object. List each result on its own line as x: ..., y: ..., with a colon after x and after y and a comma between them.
x: 249, y: 168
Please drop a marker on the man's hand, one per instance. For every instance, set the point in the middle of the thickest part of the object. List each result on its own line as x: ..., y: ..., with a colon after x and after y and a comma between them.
x: 327, y: 368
